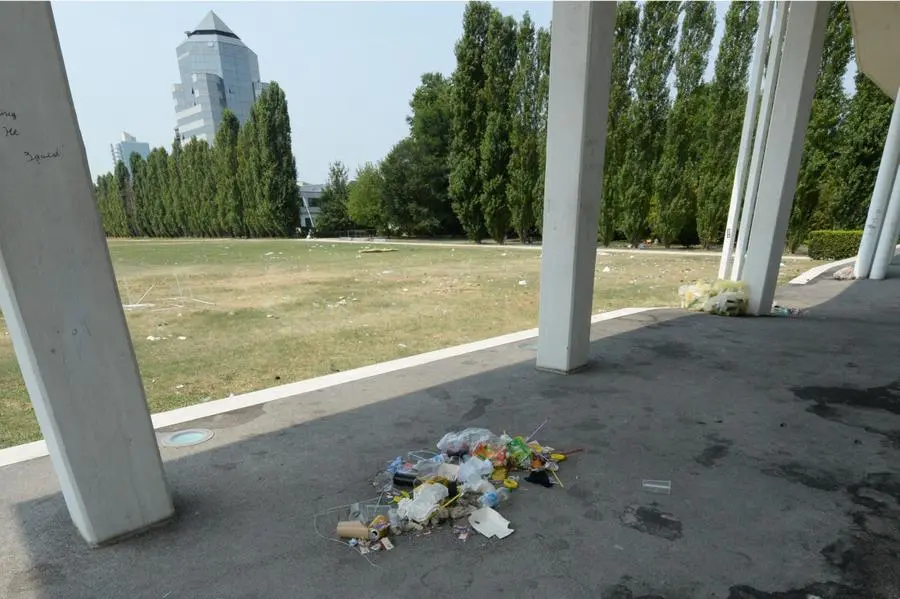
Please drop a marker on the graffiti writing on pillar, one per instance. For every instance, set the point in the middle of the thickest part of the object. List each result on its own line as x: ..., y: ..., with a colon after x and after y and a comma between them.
x: 8, y: 129
x: 39, y: 157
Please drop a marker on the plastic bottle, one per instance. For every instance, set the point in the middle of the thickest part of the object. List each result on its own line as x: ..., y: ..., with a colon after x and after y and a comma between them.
x: 394, y: 519
x: 493, y: 498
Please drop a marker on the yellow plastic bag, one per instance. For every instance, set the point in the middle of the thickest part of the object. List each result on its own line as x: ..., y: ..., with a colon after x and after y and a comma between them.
x: 695, y: 295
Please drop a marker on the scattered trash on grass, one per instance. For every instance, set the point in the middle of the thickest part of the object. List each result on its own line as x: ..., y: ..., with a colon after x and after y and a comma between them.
x: 523, y: 282
x: 724, y: 298
x: 606, y: 269
x: 473, y: 473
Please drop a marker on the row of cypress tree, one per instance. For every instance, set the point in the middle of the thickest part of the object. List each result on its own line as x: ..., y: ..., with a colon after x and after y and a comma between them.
x: 473, y: 161
x: 243, y: 185
x: 672, y: 138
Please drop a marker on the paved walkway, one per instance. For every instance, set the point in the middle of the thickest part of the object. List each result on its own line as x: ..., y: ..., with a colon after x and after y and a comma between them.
x: 780, y: 437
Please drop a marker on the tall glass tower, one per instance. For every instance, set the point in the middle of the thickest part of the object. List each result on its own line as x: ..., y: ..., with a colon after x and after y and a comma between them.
x: 217, y: 72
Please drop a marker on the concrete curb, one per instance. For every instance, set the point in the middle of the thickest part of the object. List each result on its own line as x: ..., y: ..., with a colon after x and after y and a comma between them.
x: 815, y: 272
x: 38, y: 449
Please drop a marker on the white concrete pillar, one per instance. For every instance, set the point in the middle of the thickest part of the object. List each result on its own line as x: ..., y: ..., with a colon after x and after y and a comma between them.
x: 740, y: 174
x: 794, y: 91
x: 887, y: 172
x: 59, y: 297
x: 580, y: 70
x: 887, y: 239
x: 759, y: 140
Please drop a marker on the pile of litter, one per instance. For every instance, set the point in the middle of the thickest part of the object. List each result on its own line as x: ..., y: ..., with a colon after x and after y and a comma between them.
x: 725, y: 298
x: 472, y: 473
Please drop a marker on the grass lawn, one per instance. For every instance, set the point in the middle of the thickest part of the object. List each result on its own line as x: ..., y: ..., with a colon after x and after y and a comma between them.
x: 235, y: 316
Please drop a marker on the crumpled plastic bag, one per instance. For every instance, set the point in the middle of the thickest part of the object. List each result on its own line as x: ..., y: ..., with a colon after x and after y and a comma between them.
x: 472, y: 471
x: 492, y: 450
x: 423, y: 504
x: 724, y: 298
x: 722, y: 286
x: 464, y: 441
x: 727, y: 303
x: 694, y: 296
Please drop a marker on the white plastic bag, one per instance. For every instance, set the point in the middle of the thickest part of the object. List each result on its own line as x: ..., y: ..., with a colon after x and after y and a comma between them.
x: 423, y: 504
x: 471, y: 473
x: 694, y: 296
x: 463, y: 441
x: 728, y: 303
x: 725, y: 298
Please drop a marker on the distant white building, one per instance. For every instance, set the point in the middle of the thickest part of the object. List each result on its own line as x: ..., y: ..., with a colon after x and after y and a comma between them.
x: 125, y: 148
x: 309, y: 203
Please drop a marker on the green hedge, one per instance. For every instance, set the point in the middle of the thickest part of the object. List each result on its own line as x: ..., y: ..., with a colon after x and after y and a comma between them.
x: 833, y: 245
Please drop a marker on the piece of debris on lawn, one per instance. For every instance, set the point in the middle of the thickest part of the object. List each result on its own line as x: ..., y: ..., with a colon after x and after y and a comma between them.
x: 661, y: 487
x: 137, y: 306
x: 377, y: 250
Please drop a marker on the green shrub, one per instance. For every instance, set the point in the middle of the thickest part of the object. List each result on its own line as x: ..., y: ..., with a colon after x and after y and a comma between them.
x: 833, y: 245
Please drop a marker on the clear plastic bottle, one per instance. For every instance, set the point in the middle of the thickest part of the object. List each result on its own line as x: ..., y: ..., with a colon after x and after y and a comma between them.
x: 396, y: 524
x: 493, y: 498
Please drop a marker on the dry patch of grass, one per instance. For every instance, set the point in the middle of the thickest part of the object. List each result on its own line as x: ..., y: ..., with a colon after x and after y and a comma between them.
x: 235, y: 316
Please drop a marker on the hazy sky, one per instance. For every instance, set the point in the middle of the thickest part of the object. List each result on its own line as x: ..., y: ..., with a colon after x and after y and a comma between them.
x: 348, y: 68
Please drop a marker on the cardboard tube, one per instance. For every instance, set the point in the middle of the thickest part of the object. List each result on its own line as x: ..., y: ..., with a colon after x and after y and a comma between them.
x: 352, y: 529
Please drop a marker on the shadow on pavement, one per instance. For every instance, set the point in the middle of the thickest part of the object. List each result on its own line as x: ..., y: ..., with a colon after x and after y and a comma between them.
x: 780, y: 437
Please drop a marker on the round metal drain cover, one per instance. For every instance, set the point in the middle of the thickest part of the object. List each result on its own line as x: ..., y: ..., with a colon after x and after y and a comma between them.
x: 186, y: 438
